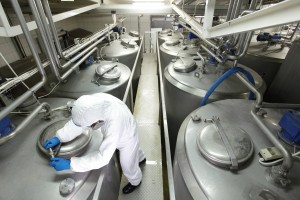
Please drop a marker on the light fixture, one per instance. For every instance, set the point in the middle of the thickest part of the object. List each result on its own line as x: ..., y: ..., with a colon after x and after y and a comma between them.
x: 148, y: 4
x: 147, y: 1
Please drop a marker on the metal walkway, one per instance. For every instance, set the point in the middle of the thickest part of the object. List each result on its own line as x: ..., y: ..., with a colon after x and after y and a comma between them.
x: 146, y: 113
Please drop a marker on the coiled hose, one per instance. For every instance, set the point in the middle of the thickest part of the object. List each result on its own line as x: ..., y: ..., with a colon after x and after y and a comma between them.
x: 223, y: 77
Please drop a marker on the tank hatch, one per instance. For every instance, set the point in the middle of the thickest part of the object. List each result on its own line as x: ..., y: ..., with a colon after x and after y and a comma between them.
x: 128, y: 43
x: 134, y: 33
x: 108, y: 73
x: 172, y: 42
x: 68, y: 149
x: 185, y: 64
x: 224, y: 145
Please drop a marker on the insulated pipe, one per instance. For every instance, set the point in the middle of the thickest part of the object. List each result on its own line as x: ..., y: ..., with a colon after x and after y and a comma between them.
x: 52, y: 26
x: 41, y: 29
x: 36, y: 87
x: 287, y: 157
x: 25, y: 122
x: 69, y: 52
x: 83, y: 52
x: 47, y: 30
x: 230, y: 6
x: 194, y: 24
x: 73, y: 68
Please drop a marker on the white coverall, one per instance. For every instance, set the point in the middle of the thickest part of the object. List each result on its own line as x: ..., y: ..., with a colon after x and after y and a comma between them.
x: 119, y: 132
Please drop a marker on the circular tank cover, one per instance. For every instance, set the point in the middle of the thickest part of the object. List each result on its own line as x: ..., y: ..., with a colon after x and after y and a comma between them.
x: 172, y: 42
x: 128, y: 43
x: 185, y: 64
x: 67, y: 186
x: 109, y: 73
x: 134, y: 33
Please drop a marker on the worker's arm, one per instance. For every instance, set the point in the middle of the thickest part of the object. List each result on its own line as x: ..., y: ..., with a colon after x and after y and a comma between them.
x: 98, y: 159
x: 69, y: 132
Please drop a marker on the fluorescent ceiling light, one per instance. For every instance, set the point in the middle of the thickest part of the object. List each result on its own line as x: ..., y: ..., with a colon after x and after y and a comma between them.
x: 147, y: 4
x: 148, y: 1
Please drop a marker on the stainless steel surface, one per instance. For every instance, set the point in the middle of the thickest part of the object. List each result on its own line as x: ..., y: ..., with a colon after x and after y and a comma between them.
x: 168, y: 34
x: 164, y: 123
x: 169, y: 52
x: 69, y: 149
x: 124, y: 51
x: 185, y: 91
x: 26, y: 174
x: 82, y: 82
x: 237, y: 149
x: 132, y: 36
x: 198, y: 179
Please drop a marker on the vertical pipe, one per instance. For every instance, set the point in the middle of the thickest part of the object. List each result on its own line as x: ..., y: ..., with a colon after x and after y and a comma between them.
x: 253, y: 5
x: 52, y: 26
x: 238, y: 8
x: 233, y: 9
x: 47, y: 30
x: 230, y: 6
x: 45, y: 40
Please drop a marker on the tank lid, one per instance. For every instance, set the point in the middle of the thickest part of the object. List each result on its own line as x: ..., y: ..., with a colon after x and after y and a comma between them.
x: 166, y: 31
x: 68, y: 149
x: 128, y: 43
x: 185, y: 64
x: 172, y: 42
x: 134, y: 34
x: 224, y: 145
x: 108, y: 73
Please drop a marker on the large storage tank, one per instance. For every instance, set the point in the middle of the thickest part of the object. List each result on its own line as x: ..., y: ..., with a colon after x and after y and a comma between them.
x: 265, y: 61
x: 25, y: 170
x: 123, y: 50
x: 131, y: 36
x: 186, y: 82
x: 106, y: 76
x: 168, y: 34
x: 172, y: 49
x: 202, y: 164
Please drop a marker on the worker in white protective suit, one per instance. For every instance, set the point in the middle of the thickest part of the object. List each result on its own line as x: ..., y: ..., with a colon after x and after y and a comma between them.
x: 119, y: 132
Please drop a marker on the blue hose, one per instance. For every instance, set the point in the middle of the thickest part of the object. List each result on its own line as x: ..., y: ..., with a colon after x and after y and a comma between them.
x: 223, y: 77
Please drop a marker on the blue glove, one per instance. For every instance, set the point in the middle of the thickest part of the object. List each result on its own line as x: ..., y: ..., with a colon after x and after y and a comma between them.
x: 51, y: 143
x: 59, y: 164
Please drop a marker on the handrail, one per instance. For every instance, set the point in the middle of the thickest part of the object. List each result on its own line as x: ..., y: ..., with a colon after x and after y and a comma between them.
x: 166, y: 132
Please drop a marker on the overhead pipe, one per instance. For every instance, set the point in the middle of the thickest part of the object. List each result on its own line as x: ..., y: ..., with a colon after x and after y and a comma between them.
x: 73, y: 68
x: 52, y: 26
x: 47, y: 31
x: 42, y: 31
x: 69, y: 52
x: 73, y: 59
x: 26, y: 121
x: 36, y: 87
x: 246, y: 45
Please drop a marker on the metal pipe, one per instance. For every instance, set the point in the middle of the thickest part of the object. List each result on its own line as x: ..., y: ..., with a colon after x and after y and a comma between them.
x: 194, y: 24
x: 287, y: 157
x: 253, y: 4
x: 41, y: 29
x: 25, y: 122
x: 40, y: 9
x: 259, y: 99
x: 212, y: 53
x: 73, y: 59
x: 52, y: 26
x: 67, y: 73
x: 166, y: 132
x: 238, y: 8
x: 230, y: 6
x: 247, y: 42
x: 69, y: 52
x: 233, y: 9
x: 32, y: 90
x: 201, y: 57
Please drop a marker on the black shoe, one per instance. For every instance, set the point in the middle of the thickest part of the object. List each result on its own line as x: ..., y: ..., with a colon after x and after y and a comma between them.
x: 130, y: 188
x: 142, y: 163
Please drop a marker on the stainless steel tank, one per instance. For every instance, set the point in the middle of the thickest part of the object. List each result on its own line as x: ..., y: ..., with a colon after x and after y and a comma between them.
x: 168, y: 34
x: 202, y: 164
x: 266, y: 62
x: 25, y: 170
x: 106, y: 76
x: 186, y: 82
x: 123, y: 50
x: 131, y: 36
x: 172, y: 49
